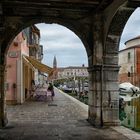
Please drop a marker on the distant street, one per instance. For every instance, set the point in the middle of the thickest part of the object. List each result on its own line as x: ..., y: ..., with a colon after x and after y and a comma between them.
x: 61, y: 119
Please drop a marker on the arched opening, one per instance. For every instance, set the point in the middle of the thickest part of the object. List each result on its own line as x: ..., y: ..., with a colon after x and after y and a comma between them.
x: 129, y: 77
x: 100, y: 38
x: 72, y: 75
x: 110, y: 54
x: 28, y: 75
x: 126, y: 42
x: 56, y: 39
x: 82, y: 34
x: 127, y: 59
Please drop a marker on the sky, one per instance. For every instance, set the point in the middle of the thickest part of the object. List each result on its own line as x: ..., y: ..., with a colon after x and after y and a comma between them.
x: 131, y: 29
x: 61, y: 42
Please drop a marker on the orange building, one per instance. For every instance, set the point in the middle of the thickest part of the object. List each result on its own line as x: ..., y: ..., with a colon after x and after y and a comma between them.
x: 129, y: 61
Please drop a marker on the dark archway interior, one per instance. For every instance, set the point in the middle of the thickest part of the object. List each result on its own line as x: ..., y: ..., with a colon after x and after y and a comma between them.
x: 98, y: 24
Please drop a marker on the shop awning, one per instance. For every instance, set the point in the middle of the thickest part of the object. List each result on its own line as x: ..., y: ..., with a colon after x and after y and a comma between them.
x: 26, y: 61
x: 40, y: 66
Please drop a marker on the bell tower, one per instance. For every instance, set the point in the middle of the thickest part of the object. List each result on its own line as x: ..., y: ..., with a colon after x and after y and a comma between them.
x: 55, y: 68
x: 54, y: 62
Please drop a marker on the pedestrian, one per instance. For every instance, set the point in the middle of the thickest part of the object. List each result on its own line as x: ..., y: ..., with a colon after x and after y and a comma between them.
x: 51, y: 89
x: 33, y: 83
x: 32, y: 88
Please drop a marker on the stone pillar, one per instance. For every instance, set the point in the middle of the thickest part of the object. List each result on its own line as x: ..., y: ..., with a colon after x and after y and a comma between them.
x: 95, y: 60
x: 94, y: 116
x: 3, y: 116
x: 110, y: 95
x: 103, y: 80
x: 111, y: 70
x: 103, y: 97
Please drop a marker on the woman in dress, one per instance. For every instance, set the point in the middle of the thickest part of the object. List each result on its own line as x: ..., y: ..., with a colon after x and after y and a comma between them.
x: 51, y: 89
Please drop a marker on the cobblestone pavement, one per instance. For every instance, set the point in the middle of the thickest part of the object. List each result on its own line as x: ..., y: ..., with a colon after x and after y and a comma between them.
x: 61, y: 119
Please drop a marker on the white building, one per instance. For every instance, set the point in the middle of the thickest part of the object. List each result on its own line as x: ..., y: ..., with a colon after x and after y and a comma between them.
x: 72, y: 71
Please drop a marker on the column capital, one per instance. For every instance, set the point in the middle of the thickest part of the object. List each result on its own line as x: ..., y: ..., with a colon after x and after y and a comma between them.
x: 104, y: 68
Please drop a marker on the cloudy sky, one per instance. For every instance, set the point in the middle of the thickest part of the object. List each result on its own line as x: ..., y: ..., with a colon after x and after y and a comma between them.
x: 132, y: 28
x: 61, y: 42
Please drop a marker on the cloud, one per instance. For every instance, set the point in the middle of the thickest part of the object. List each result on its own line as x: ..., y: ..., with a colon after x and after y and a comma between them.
x: 61, y: 42
x: 132, y: 28
x: 68, y: 57
x: 65, y: 60
x: 56, y: 36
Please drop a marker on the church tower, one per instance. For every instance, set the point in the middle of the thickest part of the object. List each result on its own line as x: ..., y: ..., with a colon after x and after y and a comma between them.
x: 54, y: 62
x: 55, y: 68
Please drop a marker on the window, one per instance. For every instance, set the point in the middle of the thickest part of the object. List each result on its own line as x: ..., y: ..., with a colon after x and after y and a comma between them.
x: 129, y: 56
x: 131, y: 69
x: 129, y: 74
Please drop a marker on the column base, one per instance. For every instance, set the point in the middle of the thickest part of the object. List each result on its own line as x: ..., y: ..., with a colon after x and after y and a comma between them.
x: 109, y: 117
x: 115, y: 123
x: 97, y: 122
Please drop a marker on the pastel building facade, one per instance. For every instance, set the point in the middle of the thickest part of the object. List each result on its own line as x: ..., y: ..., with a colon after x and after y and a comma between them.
x: 129, y: 61
x: 19, y: 71
x: 72, y: 71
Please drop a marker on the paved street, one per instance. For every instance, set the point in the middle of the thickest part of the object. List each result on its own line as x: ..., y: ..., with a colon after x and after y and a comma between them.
x: 61, y: 119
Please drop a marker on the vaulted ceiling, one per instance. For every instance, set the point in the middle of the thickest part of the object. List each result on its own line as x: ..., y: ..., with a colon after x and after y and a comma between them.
x: 70, y: 8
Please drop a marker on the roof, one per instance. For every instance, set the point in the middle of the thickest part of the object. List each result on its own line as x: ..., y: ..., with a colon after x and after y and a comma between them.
x: 132, y: 47
x: 35, y: 29
x: 138, y: 37
x: 72, y: 67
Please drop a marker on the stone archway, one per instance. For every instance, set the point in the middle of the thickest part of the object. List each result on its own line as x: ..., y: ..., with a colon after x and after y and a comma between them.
x: 104, y: 98
x: 111, y: 49
x: 17, y: 24
x: 95, y: 22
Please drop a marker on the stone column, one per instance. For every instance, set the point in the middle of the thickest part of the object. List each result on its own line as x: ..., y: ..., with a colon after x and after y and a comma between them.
x: 3, y: 116
x: 95, y: 116
x: 111, y: 70
x: 103, y: 80
x: 95, y: 63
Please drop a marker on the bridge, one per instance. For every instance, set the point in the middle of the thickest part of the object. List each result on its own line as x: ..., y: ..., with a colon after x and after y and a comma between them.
x: 98, y: 23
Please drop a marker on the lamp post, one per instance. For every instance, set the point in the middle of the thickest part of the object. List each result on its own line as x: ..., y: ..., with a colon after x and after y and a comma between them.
x: 82, y: 82
x: 74, y: 79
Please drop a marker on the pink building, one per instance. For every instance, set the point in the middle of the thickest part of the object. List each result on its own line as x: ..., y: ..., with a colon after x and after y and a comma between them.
x: 14, y: 69
x: 20, y: 72
x: 24, y: 65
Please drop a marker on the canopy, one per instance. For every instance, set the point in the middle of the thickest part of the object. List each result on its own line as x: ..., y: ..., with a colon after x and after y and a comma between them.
x: 128, y: 87
x: 38, y: 65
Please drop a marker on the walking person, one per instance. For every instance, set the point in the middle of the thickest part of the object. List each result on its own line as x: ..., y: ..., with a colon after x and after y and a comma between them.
x: 32, y: 88
x: 51, y: 89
